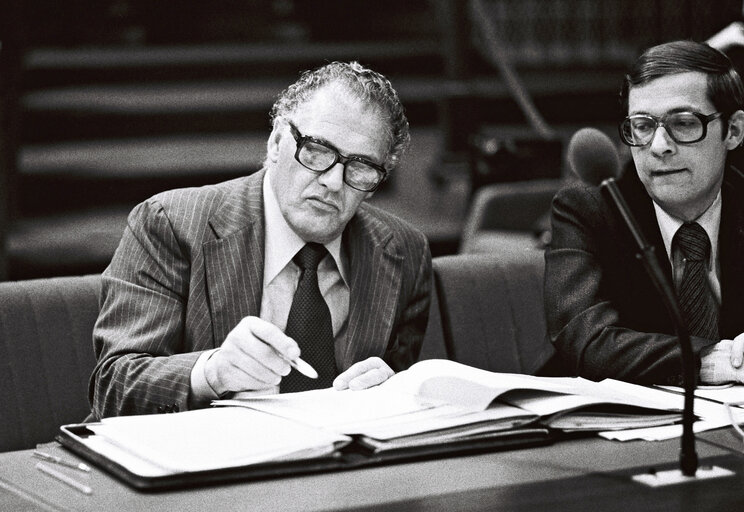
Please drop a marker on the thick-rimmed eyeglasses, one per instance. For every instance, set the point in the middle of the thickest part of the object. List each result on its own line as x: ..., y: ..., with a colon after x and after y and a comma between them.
x: 682, y: 127
x: 318, y: 156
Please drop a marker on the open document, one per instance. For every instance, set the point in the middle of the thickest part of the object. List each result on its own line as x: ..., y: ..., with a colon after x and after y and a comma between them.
x: 438, y: 401
x: 207, y: 439
x: 435, y: 408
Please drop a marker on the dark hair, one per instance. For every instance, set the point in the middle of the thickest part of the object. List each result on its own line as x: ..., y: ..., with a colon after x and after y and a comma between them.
x: 725, y: 88
x: 366, y: 84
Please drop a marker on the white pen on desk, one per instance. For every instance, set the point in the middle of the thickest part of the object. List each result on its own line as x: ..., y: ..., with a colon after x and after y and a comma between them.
x: 64, y: 478
x: 59, y: 460
x: 303, y: 367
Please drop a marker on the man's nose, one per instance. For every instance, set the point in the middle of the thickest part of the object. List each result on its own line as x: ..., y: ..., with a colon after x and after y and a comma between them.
x: 662, y: 143
x: 333, y: 178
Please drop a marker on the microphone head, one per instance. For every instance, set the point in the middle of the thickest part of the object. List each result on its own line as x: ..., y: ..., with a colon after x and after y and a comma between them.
x: 592, y: 156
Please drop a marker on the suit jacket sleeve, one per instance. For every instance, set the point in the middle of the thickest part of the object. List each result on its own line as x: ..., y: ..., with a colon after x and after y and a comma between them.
x: 142, y: 366
x: 604, y: 316
x: 408, y: 333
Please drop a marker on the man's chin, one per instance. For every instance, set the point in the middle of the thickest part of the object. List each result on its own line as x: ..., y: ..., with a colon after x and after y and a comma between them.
x: 319, y: 230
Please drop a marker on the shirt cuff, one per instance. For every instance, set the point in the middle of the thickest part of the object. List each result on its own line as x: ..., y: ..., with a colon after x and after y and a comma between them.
x: 715, y: 364
x: 201, y: 391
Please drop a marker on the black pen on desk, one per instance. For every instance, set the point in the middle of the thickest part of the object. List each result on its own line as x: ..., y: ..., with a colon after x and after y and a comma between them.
x: 59, y: 460
x: 64, y: 478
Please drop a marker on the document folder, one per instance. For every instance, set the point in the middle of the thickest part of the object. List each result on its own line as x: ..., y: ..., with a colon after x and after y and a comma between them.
x: 352, y: 456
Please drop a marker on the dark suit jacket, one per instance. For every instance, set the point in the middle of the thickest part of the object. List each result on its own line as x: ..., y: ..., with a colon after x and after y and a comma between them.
x: 604, y: 315
x: 190, y: 266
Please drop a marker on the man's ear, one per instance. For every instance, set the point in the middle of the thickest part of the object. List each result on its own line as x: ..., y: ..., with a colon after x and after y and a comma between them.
x: 735, y: 134
x: 272, y: 146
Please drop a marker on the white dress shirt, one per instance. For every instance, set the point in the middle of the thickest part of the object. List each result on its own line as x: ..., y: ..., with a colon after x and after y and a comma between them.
x: 281, y: 277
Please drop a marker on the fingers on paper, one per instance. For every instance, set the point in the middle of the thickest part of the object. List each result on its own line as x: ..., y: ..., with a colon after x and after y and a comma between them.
x: 737, y: 351
x: 364, y: 374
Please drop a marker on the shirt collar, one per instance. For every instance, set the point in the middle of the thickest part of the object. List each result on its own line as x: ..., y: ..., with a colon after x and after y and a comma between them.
x: 710, y: 221
x: 281, y: 243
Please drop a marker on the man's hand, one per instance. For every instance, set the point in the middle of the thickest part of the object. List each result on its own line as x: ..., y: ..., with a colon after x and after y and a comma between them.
x: 737, y: 351
x: 364, y: 374
x: 253, y: 357
x: 722, y: 362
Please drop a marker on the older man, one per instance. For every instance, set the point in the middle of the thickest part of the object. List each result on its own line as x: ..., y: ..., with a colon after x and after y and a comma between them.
x: 218, y: 289
x: 683, y: 103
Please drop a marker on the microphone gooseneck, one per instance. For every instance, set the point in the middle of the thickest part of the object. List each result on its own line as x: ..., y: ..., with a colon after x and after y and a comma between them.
x: 594, y: 159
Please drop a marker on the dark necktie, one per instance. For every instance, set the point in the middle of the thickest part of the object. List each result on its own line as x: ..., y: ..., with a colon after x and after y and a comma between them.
x: 309, y: 324
x: 696, y: 300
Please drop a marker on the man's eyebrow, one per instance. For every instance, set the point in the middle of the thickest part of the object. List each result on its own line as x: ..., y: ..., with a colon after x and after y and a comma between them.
x: 675, y: 110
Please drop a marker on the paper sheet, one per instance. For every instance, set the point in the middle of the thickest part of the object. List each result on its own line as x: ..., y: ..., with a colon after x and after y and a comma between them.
x: 329, y: 408
x: 712, y: 415
x: 213, y: 438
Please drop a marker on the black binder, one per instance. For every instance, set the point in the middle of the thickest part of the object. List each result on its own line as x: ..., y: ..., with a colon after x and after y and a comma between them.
x: 352, y: 456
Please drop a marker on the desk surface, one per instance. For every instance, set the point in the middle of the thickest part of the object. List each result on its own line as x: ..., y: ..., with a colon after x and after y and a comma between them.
x: 579, y: 474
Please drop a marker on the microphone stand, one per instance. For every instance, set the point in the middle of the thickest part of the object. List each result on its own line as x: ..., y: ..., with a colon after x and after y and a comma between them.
x: 688, y: 459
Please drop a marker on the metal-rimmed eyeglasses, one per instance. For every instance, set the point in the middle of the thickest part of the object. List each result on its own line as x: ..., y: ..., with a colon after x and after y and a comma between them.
x: 319, y: 156
x: 682, y: 127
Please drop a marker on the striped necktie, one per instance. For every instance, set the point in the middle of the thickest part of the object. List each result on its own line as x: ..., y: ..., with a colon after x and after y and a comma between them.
x: 699, y: 308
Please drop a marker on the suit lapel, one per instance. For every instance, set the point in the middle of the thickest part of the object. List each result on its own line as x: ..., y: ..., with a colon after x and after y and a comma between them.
x: 376, y: 269
x: 233, y: 261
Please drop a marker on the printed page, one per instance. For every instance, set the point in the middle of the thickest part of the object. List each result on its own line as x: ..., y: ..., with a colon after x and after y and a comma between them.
x: 731, y: 393
x: 214, y: 438
x: 427, y: 385
x: 446, y: 425
x: 329, y: 408
x: 438, y: 392
x: 467, y: 387
x: 712, y: 415
x: 590, y: 393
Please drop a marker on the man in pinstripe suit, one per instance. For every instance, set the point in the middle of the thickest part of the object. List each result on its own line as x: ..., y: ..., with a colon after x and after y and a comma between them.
x: 196, y: 298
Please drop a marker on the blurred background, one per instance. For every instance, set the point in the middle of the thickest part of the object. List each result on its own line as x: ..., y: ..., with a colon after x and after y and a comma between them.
x: 107, y: 102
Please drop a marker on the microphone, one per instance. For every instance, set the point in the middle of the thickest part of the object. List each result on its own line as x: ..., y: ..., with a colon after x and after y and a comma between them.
x: 593, y: 157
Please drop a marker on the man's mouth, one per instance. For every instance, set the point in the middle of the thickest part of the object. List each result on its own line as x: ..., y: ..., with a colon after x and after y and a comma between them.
x: 666, y: 172
x: 323, y: 204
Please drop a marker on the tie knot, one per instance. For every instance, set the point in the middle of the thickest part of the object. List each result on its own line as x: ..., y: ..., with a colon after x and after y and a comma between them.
x: 693, y: 241
x: 308, y: 258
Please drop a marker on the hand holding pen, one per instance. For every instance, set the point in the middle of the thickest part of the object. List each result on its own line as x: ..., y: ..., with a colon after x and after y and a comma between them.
x: 255, y: 355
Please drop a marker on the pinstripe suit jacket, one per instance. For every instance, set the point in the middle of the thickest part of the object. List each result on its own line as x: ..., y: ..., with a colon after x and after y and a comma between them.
x: 190, y: 266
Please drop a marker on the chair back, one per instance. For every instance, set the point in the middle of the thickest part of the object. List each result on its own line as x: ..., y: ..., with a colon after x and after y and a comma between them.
x: 510, y: 209
x: 492, y: 311
x: 46, y: 356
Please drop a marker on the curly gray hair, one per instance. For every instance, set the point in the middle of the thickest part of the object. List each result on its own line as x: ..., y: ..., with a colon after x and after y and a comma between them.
x: 366, y: 84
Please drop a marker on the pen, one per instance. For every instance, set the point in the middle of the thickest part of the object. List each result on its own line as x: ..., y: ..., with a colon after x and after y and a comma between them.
x: 59, y: 460
x: 64, y: 478
x: 303, y: 367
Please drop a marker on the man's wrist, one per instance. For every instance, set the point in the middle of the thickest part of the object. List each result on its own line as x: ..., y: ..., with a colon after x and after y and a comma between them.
x: 201, y: 390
